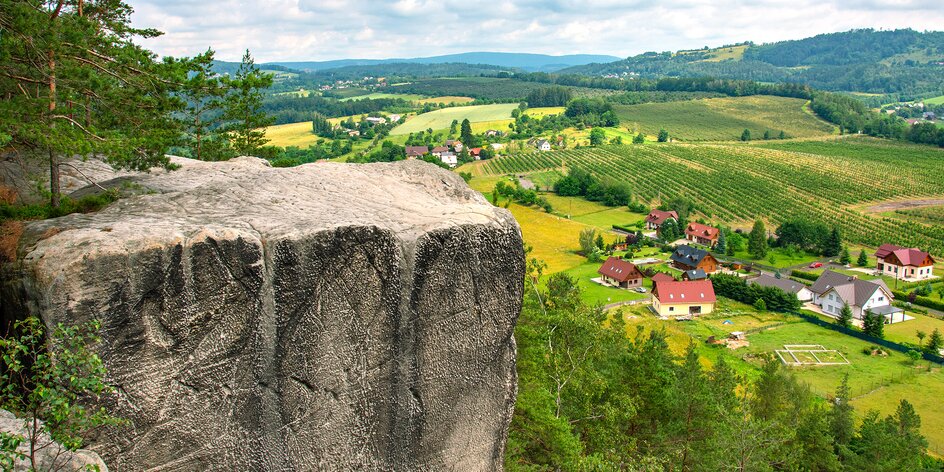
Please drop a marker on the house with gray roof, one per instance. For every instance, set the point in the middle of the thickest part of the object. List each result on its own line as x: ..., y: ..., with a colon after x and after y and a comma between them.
x: 802, y: 292
x: 833, y: 290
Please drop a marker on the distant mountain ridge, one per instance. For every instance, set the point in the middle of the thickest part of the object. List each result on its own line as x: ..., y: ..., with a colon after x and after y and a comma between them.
x: 524, y: 61
x: 901, y: 61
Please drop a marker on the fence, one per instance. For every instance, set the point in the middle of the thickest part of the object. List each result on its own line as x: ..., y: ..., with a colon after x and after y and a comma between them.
x: 865, y: 337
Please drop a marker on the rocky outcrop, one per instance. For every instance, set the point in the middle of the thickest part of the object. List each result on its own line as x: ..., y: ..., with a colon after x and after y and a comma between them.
x: 48, y: 454
x: 327, y: 316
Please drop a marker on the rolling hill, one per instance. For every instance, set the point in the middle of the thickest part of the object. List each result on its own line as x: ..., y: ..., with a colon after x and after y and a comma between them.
x: 527, y: 62
x: 885, y: 62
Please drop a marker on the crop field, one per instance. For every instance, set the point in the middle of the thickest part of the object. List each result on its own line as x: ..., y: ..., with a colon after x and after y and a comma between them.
x: 376, y: 95
x: 723, y: 119
x: 738, y: 183
x: 541, y: 112
x: 292, y: 134
x: 931, y: 214
x: 480, y: 127
x: 440, y: 119
x: 447, y: 99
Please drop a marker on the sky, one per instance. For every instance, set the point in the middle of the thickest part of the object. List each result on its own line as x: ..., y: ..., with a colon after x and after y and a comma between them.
x: 297, y: 30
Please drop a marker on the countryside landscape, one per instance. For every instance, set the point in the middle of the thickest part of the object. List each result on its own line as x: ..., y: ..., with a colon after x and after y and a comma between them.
x: 731, y: 258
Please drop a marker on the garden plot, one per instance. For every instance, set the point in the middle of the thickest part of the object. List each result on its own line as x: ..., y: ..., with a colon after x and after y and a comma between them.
x: 810, y: 354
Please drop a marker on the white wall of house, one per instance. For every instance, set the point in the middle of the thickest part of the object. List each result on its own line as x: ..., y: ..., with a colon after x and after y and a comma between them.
x: 904, y: 272
x: 804, y: 295
x: 832, y: 303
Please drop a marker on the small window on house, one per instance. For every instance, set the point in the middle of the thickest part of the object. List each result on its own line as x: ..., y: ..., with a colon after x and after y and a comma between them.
x: 671, y: 308
x: 881, y: 299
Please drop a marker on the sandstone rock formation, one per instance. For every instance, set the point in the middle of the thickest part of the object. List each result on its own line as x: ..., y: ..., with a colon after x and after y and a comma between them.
x: 49, y: 454
x: 322, y: 317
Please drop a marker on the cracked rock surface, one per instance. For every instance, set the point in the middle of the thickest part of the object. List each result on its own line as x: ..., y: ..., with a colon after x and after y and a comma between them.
x: 322, y: 317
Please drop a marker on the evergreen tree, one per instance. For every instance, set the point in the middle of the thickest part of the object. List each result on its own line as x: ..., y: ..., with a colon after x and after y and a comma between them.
x: 246, y: 119
x: 841, y: 419
x: 663, y: 136
x: 760, y: 305
x: 669, y: 231
x: 72, y: 82
x: 782, y: 135
x: 766, y: 134
x: 321, y: 126
x: 863, y: 259
x: 465, y: 133
x: 844, y: 258
x: 935, y: 342
x: 203, y: 93
x: 757, y: 241
x: 833, y: 244
x: 845, y: 316
x: 722, y: 246
x: 873, y: 324
x: 746, y: 135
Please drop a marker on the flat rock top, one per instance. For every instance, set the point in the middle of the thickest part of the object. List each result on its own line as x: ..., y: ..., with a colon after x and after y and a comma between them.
x: 246, y: 195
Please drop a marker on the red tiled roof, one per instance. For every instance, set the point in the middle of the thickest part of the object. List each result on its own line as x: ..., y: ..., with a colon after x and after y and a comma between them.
x: 696, y: 291
x: 657, y: 217
x: 619, y: 270
x: 701, y: 231
x: 475, y: 151
x: 662, y: 277
x: 440, y: 149
x: 885, y: 249
x: 911, y: 256
x: 416, y: 150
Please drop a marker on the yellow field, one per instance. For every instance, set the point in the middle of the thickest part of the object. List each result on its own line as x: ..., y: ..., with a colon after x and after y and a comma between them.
x: 541, y: 112
x: 483, y: 126
x: 445, y: 99
x: 554, y: 239
x: 292, y: 134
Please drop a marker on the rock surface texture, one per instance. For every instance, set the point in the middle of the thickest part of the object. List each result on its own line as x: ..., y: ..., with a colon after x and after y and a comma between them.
x: 49, y: 454
x: 322, y: 317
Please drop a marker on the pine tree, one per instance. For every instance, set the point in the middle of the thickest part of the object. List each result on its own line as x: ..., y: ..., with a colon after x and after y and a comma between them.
x: 722, y: 246
x: 767, y: 134
x: 204, y: 93
x: 833, y: 244
x: 663, y: 136
x: 844, y: 258
x: 873, y: 324
x: 746, y: 135
x: 863, y: 259
x: 782, y: 135
x: 243, y: 110
x: 845, y: 316
x: 757, y: 241
x: 465, y: 133
x: 841, y: 420
x: 935, y: 342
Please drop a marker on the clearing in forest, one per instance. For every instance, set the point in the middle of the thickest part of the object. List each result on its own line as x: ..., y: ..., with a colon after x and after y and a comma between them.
x: 441, y: 119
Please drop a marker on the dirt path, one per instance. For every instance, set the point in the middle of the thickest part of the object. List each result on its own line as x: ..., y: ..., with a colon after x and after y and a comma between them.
x: 904, y: 204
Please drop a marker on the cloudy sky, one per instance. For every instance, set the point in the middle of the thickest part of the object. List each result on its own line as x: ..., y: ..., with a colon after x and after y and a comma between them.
x: 286, y: 30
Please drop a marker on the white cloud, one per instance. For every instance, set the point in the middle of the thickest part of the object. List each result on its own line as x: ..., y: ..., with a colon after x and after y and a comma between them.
x: 281, y: 30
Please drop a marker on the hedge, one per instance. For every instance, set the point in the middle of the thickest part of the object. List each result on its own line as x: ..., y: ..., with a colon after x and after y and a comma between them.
x: 804, y: 275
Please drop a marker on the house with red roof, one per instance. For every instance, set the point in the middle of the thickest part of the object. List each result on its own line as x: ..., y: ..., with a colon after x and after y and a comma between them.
x: 623, y: 274
x: 702, y: 234
x: 476, y: 153
x: 686, y: 298
x: 909, y: 264
x: 657, y: 218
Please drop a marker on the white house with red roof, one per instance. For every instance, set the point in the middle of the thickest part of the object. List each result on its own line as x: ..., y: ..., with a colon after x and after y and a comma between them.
x: 686, y: 298
x: 702, y: 234
x: 657, y: 218
x: 623, y: 274
x: 909, y: 264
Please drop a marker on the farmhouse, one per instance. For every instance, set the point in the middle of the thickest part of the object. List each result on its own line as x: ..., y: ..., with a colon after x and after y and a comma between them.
x: 833, y: 290
x: 416, y: 151
x: 394, y: 118
x: 702, y: 234
x: 439, y: 150
x: 801, y: 291
x: 683, y: 298
x: 376, y: 120
x: 455, y: 144
x: 657, y: 218
x: 543, y: 145
x: 476, y: 153
x: 687, y: 258
x: 661, y: 277
x: 449, y: 158
x: 904, y: 263
x: 623, y: 274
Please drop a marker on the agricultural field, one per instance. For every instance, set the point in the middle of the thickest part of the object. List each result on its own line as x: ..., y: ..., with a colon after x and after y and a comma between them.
x: 929, y: 214
x: 541, y: 112
x: 440, y: 119
x: 377, y: 95
x: 480, y: 127
x: 442, y: 100
x: 292, y: 134
x: 934, y: 101
x: 737, y: 183
x: 724, y: 119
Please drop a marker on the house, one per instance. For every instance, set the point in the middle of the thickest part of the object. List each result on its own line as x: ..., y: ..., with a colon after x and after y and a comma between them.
x: 697, y: 274
x: 683, y: 298
x: 438, y: 150
x: 493, y: 132
x: 904, y: 263
x: 686, y: 258
x: 353, y: 133
x: 623, y: 274
x: 543, y: 145
x: 662, y: 277
x: 702, y: 234
x: 394, y: 118
x: 801, y: 291
x: 376, y: 120
x: 449, y: 158
x: 455, y: 144
x: 833, y: 290
x: 657, y: 218
x: 476, y: 153
x: 416, y: 151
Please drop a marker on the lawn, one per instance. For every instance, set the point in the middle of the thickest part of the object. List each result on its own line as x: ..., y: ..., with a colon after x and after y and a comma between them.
x: 935, y: 100
x: 905, y: 332
x: 376, y: 95
x: 723, y: 119
x: 594, y: 293
x: 605, y: 219
x: 779, y: 257
x: 440, y: 119
x: 924, y: 391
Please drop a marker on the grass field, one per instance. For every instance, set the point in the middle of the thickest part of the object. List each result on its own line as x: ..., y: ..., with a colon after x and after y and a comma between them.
x: 935, y: 100
x: 292, y: 134
x: 924, y: 391
x: 445, y: 100
x: 480, y: 127
x: 738, y: 183
x: 376, y: 95
x: 906, y: 332
x: 723, y: 119
x: 540, y: 112
x: 439, y: 119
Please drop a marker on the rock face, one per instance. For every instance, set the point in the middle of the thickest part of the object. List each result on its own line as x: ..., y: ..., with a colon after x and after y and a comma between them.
x: 322, y: 317
x: 49, y: 454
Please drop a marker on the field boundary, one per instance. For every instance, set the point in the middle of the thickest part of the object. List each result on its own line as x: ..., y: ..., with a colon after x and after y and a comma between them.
x: 807, y: 351
x: 858, y: 334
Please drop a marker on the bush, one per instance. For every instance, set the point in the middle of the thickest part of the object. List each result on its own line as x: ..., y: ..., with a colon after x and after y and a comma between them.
x: 804, y: 275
